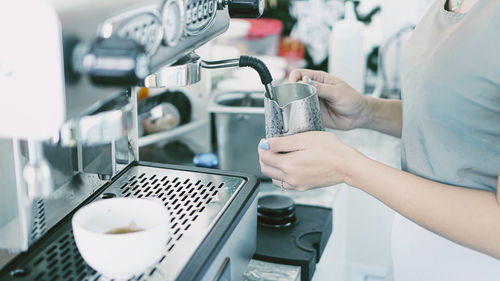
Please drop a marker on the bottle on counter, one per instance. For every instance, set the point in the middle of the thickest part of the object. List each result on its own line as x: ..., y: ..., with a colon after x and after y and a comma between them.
x: 347, y: 59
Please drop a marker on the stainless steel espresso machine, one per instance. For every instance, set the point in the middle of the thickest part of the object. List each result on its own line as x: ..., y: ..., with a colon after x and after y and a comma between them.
x: 69, y: 76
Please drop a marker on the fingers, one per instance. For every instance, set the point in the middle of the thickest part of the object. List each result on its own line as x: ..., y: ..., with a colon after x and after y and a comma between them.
x: 321, y: 88
x: 315, y: 75
x: 286, y: 144
x: 273, y: 164
x: 278, y: 183
x: 274, y: 160
x: 270, y: 158
x: 324, y: 83
x: 282, y: 184
x: 276, y: 165
x: 300, y: 74
x: 272, y: 171
x: 287, y: 167
x: 268, y: 166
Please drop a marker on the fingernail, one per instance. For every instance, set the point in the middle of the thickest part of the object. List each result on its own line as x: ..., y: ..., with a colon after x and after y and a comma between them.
x: 309, y: 81
x: 264, y: 144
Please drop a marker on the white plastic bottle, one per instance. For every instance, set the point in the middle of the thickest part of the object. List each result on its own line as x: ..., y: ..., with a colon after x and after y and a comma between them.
x: 347, y: 59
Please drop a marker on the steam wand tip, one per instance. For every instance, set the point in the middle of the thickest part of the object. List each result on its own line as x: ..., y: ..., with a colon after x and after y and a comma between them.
x: 269, y: 91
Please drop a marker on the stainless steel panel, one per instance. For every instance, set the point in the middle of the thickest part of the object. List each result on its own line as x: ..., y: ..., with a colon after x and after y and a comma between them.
x: 238, y: 249
x: 99, y: 159
x: 15, y: 208
x: 8, y: 210
x: 110, y: 123
x: 237, y: 127
x: 185, y: 72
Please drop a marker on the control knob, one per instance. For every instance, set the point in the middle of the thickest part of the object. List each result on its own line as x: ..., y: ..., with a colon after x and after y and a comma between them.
x: 250, y: 9
x: 112, y: 61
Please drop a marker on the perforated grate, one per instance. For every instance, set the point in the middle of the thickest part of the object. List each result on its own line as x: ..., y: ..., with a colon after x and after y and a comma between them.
x: 39, y: 226
x: 61, y: 261
x: 184, y: 198
x: 184, y: 194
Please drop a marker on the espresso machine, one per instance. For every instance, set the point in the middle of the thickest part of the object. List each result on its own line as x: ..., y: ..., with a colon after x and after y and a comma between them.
x: 70, y: 72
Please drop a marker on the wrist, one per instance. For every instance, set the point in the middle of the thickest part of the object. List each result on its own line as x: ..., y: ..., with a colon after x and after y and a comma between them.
x: 355, y: 166
x: 368, y: 113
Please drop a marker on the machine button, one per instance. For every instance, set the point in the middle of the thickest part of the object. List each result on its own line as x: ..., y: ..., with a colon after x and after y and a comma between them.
x: 200, y: 11
x: 194, y: 12
x: 188, y: 15
x: 211, y: 7
x: 246, y: 8
x: 113, y: 61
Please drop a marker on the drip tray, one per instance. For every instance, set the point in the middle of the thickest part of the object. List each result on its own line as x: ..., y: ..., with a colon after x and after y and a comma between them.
x: 198, y: 201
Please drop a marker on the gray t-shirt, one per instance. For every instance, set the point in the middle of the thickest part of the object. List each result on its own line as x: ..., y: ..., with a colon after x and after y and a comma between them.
x: 451, y: 97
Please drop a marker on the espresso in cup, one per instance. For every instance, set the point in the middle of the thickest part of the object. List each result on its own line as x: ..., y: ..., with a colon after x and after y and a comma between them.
x: 132, y: 227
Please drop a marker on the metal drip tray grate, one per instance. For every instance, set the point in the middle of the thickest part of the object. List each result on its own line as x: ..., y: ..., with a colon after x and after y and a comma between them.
x: 185, y: 198
x: 39, y: 224
x: 195, y: 201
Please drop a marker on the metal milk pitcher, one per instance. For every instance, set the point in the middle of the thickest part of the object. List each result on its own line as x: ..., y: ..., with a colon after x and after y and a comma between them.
x: 293, y: 109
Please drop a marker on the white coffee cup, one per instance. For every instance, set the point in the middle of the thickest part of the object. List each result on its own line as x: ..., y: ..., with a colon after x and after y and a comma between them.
x: 120, y: 256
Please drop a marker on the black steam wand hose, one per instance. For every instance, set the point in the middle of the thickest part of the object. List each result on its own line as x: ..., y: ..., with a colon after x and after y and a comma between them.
x: 246, y: 61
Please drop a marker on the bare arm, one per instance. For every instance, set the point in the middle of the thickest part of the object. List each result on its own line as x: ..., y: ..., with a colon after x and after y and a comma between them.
x: 384, y: 116
x: 466, y: 216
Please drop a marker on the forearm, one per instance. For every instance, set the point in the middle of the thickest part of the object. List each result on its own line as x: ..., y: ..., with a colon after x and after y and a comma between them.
x: 467, y: 216
x: 384, y: 115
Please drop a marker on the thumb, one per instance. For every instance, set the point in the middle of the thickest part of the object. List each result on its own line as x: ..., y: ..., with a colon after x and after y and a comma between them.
x: 286, y: 143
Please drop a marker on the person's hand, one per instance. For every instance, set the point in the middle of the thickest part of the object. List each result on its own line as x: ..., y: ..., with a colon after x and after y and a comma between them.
x: 342, y: 107
x: 307, y: 160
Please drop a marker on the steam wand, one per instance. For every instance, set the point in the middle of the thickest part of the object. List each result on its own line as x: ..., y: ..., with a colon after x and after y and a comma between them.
x: 246, y: 61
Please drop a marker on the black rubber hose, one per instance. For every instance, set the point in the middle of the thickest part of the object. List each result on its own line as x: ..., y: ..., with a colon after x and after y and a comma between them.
x: 259, y: 66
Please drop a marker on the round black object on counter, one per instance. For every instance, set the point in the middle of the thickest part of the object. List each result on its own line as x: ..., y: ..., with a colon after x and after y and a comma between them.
x: 276, y: 210
x: 275, y: 204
